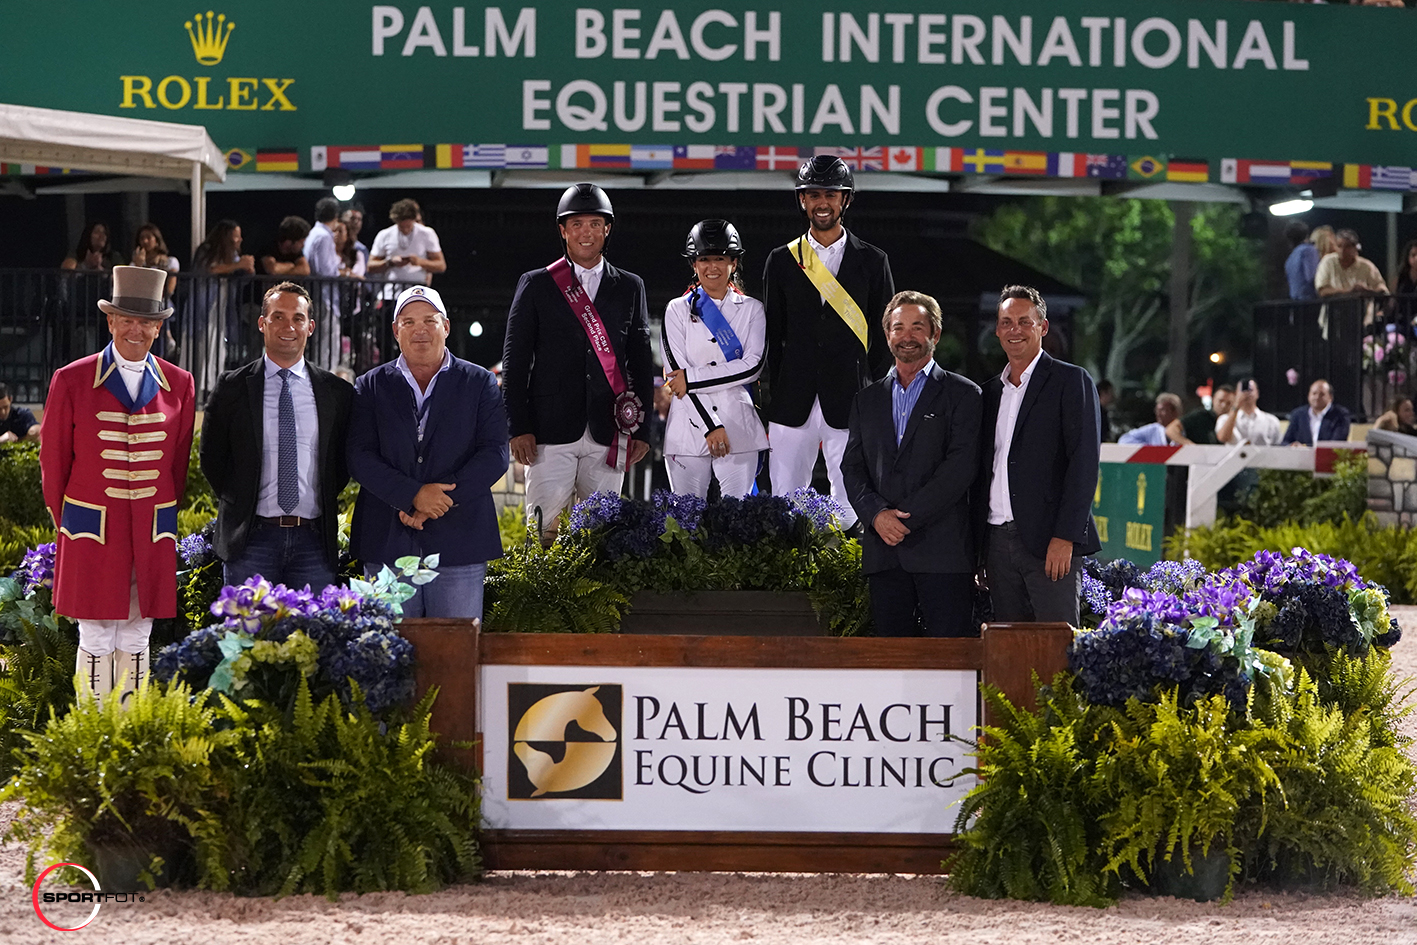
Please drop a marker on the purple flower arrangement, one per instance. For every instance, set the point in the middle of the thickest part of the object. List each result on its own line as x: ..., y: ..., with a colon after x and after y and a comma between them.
x: 1178, y: 625
x: 36, y: 569
x: 356, y: 637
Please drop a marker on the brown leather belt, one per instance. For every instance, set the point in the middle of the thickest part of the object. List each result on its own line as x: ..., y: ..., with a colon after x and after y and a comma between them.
x: 286, y: 521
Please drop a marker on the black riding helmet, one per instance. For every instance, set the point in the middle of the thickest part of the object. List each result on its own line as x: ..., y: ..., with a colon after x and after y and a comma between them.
x: 584, y: 198
x: 713, y: 238
x: 824, y: 172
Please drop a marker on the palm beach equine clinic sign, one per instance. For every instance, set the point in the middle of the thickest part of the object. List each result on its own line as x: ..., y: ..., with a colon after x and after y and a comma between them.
x: 707, y: 748
x: 1210, y: 80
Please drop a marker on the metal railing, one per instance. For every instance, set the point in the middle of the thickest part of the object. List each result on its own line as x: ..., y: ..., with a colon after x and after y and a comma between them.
x: 1363, y: 346
x: 49, y: 317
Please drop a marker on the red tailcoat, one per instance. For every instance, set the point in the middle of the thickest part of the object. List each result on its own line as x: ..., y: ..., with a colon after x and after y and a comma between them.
x: 114, y: 469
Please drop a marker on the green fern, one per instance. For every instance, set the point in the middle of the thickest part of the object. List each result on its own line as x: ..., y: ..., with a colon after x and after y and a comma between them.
x: 535, y: 590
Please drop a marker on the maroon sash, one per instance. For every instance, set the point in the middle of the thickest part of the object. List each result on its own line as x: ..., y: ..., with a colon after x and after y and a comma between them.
x: 629, y: 412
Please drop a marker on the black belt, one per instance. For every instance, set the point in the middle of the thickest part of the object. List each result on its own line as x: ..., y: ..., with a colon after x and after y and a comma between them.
x: 286, y: 521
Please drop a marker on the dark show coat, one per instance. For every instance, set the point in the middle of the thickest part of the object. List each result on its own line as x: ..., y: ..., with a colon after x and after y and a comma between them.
x: 464, y: 442
x: 1053, y: 459
x: 552, y: 382
x: 232, y: 445
x: 812, y: 353
x: 929, y: 475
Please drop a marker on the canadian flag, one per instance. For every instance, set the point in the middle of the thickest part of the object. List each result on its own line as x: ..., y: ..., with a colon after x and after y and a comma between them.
x: 903, y: 159
x: 777, y: 159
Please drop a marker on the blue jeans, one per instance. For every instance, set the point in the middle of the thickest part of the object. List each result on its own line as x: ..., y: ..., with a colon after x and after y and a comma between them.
x: 294, y: 557
x: 455, y: 592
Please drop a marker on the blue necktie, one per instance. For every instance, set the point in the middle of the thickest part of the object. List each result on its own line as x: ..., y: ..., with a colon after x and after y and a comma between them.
x: 287, y: 468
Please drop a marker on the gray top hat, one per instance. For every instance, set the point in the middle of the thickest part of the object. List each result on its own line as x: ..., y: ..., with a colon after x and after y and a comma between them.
x: 137, y: 292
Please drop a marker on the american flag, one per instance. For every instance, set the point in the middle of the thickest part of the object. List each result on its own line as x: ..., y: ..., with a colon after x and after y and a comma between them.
x: 858, y: 159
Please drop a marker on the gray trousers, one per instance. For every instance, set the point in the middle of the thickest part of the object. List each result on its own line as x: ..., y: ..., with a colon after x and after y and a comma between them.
x: 1019, y: 586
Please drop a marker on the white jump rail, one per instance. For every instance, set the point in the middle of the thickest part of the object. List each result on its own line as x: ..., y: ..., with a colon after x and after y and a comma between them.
x: 1212, y: 467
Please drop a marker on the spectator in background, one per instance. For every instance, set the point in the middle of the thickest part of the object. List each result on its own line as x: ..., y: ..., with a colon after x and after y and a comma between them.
x: 93, y: 254
x: 1244, y: 422
x: 354, y: 255
x: 212, y: 316
x: 1106, y: 399
x: 320, y: 244
x: 1347, y: 273
x: 1405, y: 282
x: 1323, y: 240
x: 1321, y: 420
x: 353, y: 220
x: 1303, y: 262
x: 408, y: 251
x: 1400, y: 417
x: 16, y: 423
x: 220, y: 253
x: 150, y: 251
x: 287, y: 258
x: 1167, y: 410
x: 1198, y: 426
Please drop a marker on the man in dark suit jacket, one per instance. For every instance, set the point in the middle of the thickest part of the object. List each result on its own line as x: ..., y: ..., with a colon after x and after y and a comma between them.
x: 819, y: 356
x: 1040, y: 444
x: 909, y: 464
x: 1332, y: 419
x: 568, y: 423
x: 427, y: 442
x: 273, y: 444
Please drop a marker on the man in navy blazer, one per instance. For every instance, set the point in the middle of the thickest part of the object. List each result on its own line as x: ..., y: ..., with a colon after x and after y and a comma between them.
x: 1040, y: 444
x: 1330, y: 419
x: 427, y: 441
x: 911, y: 447
x: 560, y: 401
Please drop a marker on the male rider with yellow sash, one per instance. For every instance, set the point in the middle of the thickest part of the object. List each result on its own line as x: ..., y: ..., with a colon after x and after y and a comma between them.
x: 577, y: 368
x: 824, y: 293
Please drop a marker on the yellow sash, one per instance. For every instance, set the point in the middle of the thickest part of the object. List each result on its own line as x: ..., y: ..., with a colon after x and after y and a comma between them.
x: 830, y: 289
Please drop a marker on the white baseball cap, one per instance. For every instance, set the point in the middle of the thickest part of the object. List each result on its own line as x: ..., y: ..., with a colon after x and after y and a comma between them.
x: 416, y: 293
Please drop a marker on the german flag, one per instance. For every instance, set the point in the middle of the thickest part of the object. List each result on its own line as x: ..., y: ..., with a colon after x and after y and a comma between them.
x: 277, y: 159
x: 1188, y: 170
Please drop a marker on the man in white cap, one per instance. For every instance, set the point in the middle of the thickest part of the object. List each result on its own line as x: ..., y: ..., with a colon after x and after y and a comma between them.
x: 116, y: 435
x: 427, y: 441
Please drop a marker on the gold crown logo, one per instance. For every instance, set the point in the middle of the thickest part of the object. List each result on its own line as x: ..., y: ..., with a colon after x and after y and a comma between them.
x: 209, y: 38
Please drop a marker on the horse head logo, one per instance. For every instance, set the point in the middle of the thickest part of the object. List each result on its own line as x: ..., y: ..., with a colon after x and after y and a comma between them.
x: 547, y: 721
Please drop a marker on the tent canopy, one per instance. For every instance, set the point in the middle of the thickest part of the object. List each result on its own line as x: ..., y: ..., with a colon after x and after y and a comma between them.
x: 107, y: 145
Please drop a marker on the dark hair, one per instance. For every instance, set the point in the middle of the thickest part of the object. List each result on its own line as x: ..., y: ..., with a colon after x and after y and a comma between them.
x: 4, y: 391
x: 1227, y: 388
x: 293, y: 288
x: 911, y: 297
x: 1104, y: 386
x: 157, y: 235
x: 1403, y: 260
x: 292, y: 228
x: 1393, y: 404
x: 219, y: 246
x: 1296, y: 232
x: 82, y: 249
x: 405, y: 209
x: 1027, y: 292
x: 326, y: 209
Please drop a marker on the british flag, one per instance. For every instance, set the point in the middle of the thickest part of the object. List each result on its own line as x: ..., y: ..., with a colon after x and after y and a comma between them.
x: 778, y: 159
x: 858, y: 159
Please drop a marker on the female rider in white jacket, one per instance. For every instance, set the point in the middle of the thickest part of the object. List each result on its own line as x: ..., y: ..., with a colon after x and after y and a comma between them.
x: 713, y: 426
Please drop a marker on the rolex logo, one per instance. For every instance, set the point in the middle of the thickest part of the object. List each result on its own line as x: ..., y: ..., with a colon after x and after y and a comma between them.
x: 209, y: 37
x: 564, y: 741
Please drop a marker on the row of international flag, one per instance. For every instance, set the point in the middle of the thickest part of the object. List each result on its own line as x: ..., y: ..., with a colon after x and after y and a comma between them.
x: 1061, y: 164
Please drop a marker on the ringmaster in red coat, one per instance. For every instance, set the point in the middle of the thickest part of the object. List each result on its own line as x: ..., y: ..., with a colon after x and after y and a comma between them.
x: 115, y: 440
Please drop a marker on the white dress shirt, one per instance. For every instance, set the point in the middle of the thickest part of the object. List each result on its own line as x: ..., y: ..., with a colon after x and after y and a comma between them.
x: 829, y: 255
x: 1001, y: 508
x: 131, y: 372
x: 320, y: 251
x: 1315, y: 421
x: 1259, y: 429
x: 307, y: 443
x: 590, y: 278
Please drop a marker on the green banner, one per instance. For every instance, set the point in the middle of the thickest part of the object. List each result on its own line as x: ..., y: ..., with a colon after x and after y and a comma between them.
x: 1179, y: 90
x: 1130, y: 510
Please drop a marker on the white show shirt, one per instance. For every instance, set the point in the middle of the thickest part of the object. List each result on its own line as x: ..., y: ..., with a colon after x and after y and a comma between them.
x: 307, y: 443
x: 1315, y: 421
x: 590, y: 278
x: 829, y: 255
x: 1001, y: 508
